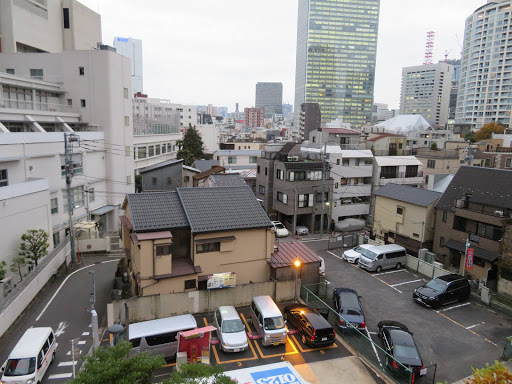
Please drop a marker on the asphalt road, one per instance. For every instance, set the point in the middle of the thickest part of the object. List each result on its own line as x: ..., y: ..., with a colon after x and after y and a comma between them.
x: 64, y: 306
x: 455, y: 337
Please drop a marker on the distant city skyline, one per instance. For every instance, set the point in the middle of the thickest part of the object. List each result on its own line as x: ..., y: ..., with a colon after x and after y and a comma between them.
x: 199, y: 53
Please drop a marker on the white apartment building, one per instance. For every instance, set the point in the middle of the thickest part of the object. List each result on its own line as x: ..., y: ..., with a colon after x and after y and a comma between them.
x: 485, y: 88
x: 210, y: 134
x: 237, y: 159
x: 132, y: 49
x: 47, y: 26
x: 426, y: 92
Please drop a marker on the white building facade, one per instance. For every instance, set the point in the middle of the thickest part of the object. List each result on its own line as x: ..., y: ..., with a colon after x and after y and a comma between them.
x: 132, y: 49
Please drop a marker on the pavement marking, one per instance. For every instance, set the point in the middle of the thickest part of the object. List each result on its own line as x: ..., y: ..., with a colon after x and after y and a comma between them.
x: 255, y: 357
x: 406, y: 282
x: 335, y: 255
x: 278, y: 354
x: 387, y: 273
x: 328, y: 282
x: 60, y: 328
x: 456, y: 306
x: 205, y: 321
x: 109, y: 261
x: 473, y: 326
x: 79, y: 352
x: 246, y: 323
x: 308, y: 240
x: 373, y: 346
x: 312, y: 349
x: 81, y: 342
x: 67, y: 363
x: 60, y: 376
x: 86, y: 333
x: 469, y: 330
x: 372, y: 333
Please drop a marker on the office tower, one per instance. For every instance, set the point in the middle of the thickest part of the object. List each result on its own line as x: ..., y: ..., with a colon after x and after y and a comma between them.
x: 287, y: 108
x: 132, y: 49
x: 336, y: 53
x: 426, y: 92
x: 454, y: 89
x: 310, y: 118
x: 254, y: 117
x: 270, y: 97
x: 381, y: 112
x: 485, y: 81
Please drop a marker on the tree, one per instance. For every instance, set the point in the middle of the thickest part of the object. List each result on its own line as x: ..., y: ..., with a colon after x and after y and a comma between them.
x: 16, y: 265
x: 487, y: 130
x: 496, y: 373
x: 34, y: 244
x: 433, y: 146
x: 2, y: 269
x: 191, y: 147
x: 470, y: 136
x: 112, y: 365
x: 199, y: 374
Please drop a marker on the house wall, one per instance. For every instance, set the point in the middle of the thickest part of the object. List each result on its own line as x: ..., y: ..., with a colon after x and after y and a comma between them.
x: 440, y: 166
x: 162, y: 175
x: 307, y: 274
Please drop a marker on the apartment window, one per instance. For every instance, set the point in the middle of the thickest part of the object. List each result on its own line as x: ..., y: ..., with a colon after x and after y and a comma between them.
x: 125, y: 93
x: 3, y: 178
x: 357, y: 162
x: 253, y: 159
x: 261, y: 189
x: 154, y: 180
x: 127, y: 121
x: 190, y: 284
x: 343, y: 181
x: 65, y: 14
x: 489, y: 232
x: 77, y: 194
x: 389, y: 172
x: 157, y: 149
x: 231, y: 159
x: 208, y: 247
x: 441, y: 241
x: 280, y: 174
x: 266, y: 171
x: 141, y: 153
x: 56, y: 239
x: 70, y: 102
x: 445, y: 216
x: 82, y: 103
x: 81, y: 71
x: 76, y: 166
x: 169, y: 147
x: 151, y: 151
x: 92, y: 195
x: 368, y: 162
x: 431, y: 163
x: 36, y: 74
x: 54, y: 206
x: 337, y: 161
x: 411, y: 171
x: 163, y: 250
x: 346, y: 162
x: 10, y: 71
x: 306, y: 200
x: 508, y: 163
x: 282, y: 197
x: 319, y: 197
x: 399, y: 211
x: 258, y: 169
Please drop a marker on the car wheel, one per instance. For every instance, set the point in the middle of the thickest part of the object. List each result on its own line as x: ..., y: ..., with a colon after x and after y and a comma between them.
x: 378, y: 269
x: 303, y: 339
x: 398, y: 265
x: 436, y: 304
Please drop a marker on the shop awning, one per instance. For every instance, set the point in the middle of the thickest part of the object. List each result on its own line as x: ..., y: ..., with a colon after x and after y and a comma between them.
x: 478, y: 252
x: 102, y: 210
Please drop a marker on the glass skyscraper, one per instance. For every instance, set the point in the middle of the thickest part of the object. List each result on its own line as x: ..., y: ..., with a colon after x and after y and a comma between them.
x: 270, y: 97
x: 336, y: 53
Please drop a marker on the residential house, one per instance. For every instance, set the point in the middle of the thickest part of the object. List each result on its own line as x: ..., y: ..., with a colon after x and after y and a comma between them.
x: 405, y: 215
x: 442, y: 161
x: 387, y: 144
x: 164, y: 176
x: 199, y: 179
x: 237, y: 159
x: 224, y: 180
x: 188, y: 176
x: 475, y: 207
x: 346, y: 138
x: 205, y: 165
x: 282, y: 263
x: 175, y: 240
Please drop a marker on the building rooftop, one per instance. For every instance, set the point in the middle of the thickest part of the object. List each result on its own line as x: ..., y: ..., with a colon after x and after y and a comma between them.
x: 408, y: 194
x: 340, y: 131
x: 287, y: 253
x: 383, y: 161
x: 403, y: 124
x: 228, y: 180
x: 239, y: 152
x: 204, y: 165
x: 213, y: 170
x: 161, y: 165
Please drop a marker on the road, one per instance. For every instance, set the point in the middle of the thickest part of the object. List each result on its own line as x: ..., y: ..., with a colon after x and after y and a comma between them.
x: 64, y: 306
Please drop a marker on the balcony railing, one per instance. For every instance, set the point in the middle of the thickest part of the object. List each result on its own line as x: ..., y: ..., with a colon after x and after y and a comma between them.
x: 34, y: 106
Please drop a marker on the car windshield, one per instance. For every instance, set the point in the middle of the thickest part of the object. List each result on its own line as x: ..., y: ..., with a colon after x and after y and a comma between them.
x: 279, y: 225
x: 358, y: 249
x: 405, y: 351
x: 20, y: 367
x: 436, y: 285
x: 272, y: 323
x: 351, y: 311
x: 232, y: 326
x: 369, y: 254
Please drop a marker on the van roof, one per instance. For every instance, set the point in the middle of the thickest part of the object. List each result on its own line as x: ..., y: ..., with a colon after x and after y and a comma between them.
x: 387, y: 248
x: 228, y: 312
x: 30, y: 343
x: 166, y: 325
x: 265, y: 303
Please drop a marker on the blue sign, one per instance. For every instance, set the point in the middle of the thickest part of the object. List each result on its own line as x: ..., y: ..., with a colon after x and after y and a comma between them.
x: 122, y: 39
x: 275, y: 376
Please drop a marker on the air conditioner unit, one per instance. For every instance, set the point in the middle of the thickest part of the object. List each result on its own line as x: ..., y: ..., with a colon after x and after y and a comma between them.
x: 499, y: 213
x: 7, y: 286
x: 460, y: 203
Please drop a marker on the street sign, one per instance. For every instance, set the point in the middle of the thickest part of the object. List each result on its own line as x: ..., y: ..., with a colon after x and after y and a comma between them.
x: 221, y: 280
x: 276, y: 376
x: 469, y: 258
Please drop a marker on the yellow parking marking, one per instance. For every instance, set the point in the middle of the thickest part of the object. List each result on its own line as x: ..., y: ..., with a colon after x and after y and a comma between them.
x: 255, y: 357
x: 467, y: 329
x: 170, y: 365
x: 246, y: 323
x: 205, y: 322
x: 312, y: 349
x: 278, y: 354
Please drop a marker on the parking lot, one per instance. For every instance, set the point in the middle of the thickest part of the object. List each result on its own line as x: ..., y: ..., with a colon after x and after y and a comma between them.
x: 455, y: 337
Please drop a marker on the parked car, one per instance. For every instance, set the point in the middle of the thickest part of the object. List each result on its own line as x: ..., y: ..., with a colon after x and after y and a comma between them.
x: 383, y: 257
x: 279, y: 229
x: 321, y: 269
x: 349, y: 225
x: 301, y: 230
x: 443, y: 290
x: 230, y: 329
x: 398, y: 342
x: 352, y: 255
x: 346, y: 302
x: 313, y: 328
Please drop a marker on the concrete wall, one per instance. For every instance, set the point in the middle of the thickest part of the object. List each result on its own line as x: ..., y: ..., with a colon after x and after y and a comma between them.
x: 424, y: 268
x: 152, y: 307
x: 94, y: 245
x: 162, y: 175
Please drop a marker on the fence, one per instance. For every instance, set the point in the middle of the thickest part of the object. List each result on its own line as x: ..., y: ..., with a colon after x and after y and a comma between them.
x: 152, y: 307
x: 423, y: 268
x: 94, y: 245
x: 316, y: 296
x: 23, y: 294
x: 342, y: 241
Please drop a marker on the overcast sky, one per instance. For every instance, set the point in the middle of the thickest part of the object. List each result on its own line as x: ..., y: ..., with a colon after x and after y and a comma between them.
x: 203, y: 51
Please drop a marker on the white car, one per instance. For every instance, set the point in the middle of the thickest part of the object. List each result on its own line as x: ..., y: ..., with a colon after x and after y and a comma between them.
x: 321, y: 269
x: 301, y: 230
x: 352, y: 255
x: 279, y: 229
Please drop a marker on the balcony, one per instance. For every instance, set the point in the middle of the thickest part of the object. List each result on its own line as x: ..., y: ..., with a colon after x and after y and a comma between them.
x: 21, y: 189
x: 34, y: 106
x: 496, y: 218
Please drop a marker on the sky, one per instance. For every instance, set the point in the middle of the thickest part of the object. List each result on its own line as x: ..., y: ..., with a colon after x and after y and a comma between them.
x: 214, y: 52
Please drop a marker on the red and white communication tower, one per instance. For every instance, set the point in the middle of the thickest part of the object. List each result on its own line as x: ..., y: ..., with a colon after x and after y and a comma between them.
x: 429, y: 47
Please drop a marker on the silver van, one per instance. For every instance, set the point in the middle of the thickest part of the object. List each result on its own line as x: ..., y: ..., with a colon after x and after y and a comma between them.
x: 230, y: 329
x: 383, y: 257
x: 158, y: 337
x: 268, y: 321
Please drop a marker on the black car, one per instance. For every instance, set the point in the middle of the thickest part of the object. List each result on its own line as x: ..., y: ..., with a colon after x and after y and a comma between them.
x: 347, y: 303
x: 312, y: 326
x: 443, y: 290
x: 398, y: 342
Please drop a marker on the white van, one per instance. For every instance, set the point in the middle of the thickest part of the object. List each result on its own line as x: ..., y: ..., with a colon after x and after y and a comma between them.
x: 31, y: 357
x: 230, y: 329
x: 158, y: 337
x: 268, y: 321
x: 383, y: 257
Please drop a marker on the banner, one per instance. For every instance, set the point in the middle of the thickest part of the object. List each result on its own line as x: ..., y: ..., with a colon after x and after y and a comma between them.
x: 469, y: 258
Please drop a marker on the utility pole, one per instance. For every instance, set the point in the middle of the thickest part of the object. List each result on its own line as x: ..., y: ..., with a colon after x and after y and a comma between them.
x: 68, y: 142
x: 422, y: 234
x: 468, y: 244
x: 323, y: 194
x: 94, y: 314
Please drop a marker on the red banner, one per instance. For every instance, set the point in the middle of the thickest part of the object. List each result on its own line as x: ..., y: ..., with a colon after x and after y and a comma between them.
x: 469, y: 259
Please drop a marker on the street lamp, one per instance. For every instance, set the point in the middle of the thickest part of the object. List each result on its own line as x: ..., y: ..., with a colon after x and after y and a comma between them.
x: 297, y: 266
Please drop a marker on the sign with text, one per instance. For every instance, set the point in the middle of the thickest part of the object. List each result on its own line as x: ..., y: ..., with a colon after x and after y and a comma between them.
x: 275, y: 376
x: 469, y: 258
x: 221, y: 280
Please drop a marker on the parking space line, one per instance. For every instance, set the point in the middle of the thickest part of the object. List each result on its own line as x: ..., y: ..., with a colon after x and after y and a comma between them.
x: 387, y: 273
x: 313, y: 349
x: 246, y: 323
x: 335, y: 255
x: 278, y: 354
x: 373, y: 346
x: 369, y: 274
x: 406, y: 282
x: 473, y: 326
x: 205, y: 322
x: 455, y: 306
x: 255, y: 357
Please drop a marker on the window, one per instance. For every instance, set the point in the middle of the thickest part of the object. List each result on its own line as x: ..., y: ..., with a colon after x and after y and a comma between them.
x: 76, y: 166
x: 231, y: 159
x: 508, y: 163
x: 36, y: 74
x: 186, y: 179
x: 258, y: 169
x: 127, y: 121
x: 343, y: 181
x: 128, y: 180
x: 261, y: 189
x: 489, y: 231
x: 151, y: 151
x: 388, y: 172
x: 50, y: 338
x: 445, y: 216
x: 157, y: 149
x: 306, y: 200
x: 337, y: 161
x: 305, y: 175
x: 141, y: 153
x: 82, y: 103
x: 346, y: 162
x: 319, y: 197
x: 56, y: 239
x: 253, y: 159
x: 92, y: 195
x: 70, y: 102
x: 282, y: 197
x: 280, y: 174
x: 441, y: 241
x: 54, y: 206
x: 399, y: 211
x: 77, y: 195
x: 431, y: 163
x: 336, y: 185
x: 208, y: 247
x: 190, y: 284
x: 357, y: 162
x: 10, y: 71
x: 81, y: 71
x: 154, y: 180
x: 163, y: 250
x: 65, y: 14
x: 416, y: 235
x: 125, y: 93
x: 266, y: 171
x: 163, y: 338
x: 411, y: 171
x: 3, y: 178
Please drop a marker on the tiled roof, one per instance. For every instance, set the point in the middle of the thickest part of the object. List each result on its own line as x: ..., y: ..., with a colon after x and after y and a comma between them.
x: 384, y: 135
x: 215, y: 169
x: 226, y: 180
x: 408, y: 194
x: 161, y: 164
x: 342, y: 131
x: 204, y: 165
x: 289, y: 252
x: 222, y: 208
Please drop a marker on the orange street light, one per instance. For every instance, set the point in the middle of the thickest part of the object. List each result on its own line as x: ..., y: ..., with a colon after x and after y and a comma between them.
x: 297, y: 263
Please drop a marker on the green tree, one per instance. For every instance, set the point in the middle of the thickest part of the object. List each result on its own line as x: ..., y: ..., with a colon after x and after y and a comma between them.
x: 433, y: 146
x: 487, y: 130
x: 16, y: 265
x: 191, y: 147
x: 496, y: 373
x: 470, y: 136
x: 3, y: 271
x: 113, y: 366
x: 34, y: 245
x: 199, y: 374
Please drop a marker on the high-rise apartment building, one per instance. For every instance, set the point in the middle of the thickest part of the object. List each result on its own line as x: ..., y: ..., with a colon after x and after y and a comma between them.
x: 310, y: 118
x: 270, y: 97
x: 426, y: 92
x: 336, y: 53
x: 485, y: 88
x: 254, y: 117
x: 132, y: 49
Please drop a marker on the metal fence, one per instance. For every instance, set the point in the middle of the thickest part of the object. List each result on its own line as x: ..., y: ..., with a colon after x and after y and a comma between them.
x: 317, y: 296
x: 343, y: 241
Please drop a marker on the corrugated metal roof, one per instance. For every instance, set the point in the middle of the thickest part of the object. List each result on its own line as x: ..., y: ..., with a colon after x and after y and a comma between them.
x: 289, y: 252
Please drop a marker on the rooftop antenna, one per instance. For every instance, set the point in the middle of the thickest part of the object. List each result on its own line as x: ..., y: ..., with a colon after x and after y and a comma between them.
x: 429, y: 47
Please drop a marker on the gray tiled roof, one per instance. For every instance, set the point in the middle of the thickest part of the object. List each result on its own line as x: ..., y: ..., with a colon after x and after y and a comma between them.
x: 487, y: 186
x: 226, y: 180
x: 151, y: 211
x: 408, y: 194
x: 204, y: 165
x: 222, y: 208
